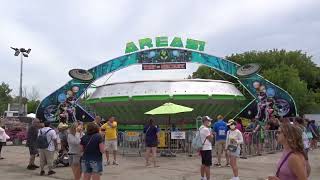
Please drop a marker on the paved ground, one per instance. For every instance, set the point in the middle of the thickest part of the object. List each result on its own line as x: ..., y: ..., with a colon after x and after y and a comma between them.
x: 132, y: 168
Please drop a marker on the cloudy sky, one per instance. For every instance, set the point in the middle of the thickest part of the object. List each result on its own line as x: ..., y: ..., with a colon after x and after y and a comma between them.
x: 66, y: 34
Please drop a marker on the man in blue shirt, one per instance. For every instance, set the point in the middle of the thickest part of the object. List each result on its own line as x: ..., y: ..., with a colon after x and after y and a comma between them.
x: 220, y: 129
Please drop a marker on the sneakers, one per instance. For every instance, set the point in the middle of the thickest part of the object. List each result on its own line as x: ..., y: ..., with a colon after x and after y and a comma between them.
x: 113, y: 163
x: 51, y: 172
x: 218, y: 164
x: 227, y: 165
x: 31, y: 167
x: 235, y: 178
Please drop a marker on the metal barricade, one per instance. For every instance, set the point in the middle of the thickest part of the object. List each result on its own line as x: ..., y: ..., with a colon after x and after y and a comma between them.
x: 131, y: 143
x: 174, y: 142
x: 180, y: 142
x: 259, y: 143
x: 170, y: 143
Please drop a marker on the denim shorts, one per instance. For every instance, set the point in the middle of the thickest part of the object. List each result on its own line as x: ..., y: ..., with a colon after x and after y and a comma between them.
x: 89, y: 166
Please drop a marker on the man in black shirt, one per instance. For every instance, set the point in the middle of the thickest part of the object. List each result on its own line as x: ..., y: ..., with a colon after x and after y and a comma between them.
x: 31, y: 143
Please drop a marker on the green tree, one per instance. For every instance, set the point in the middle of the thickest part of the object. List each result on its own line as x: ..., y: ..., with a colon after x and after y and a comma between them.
x: 287, y: 77
x: 307, y: 69
x: 5, y: 97
x: 33, y: 105
x: 204, y: 72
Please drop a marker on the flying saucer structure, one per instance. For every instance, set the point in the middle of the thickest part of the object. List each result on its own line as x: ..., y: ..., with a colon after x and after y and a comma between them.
x: 130, y: 100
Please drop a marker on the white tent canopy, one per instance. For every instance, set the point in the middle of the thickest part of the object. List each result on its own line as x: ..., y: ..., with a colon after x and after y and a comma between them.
x: 31, y: 115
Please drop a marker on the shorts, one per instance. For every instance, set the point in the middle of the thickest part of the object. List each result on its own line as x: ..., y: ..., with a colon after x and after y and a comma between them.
x: 152, y: 145
x: 111, y: 145
x: 220, y: 146
x: 88, y: 166
x: 206, y: 157
x: 46, y: 158
x: 235, y: 154
x: 74, y: 159
x: 33, y: 150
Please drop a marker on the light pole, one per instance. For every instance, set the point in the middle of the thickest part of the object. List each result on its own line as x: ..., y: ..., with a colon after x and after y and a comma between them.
x: 24, y: 53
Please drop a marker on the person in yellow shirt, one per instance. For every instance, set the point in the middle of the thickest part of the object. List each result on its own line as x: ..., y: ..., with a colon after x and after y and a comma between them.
x: 111, y: 139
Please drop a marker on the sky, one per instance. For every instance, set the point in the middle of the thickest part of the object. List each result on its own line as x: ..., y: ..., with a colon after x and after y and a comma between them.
x: 81, y: 34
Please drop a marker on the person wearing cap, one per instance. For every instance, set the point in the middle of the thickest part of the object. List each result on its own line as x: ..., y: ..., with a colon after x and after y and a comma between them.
x: 206, y: 152
x: 234, y: 137
x: 220, y: 129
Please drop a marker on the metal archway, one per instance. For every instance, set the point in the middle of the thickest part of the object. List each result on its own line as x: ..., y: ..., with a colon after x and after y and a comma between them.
x: 264, y: 92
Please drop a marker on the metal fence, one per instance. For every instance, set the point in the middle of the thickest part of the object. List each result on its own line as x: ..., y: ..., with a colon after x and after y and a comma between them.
x: 179, y: 142
x: 259, y: 143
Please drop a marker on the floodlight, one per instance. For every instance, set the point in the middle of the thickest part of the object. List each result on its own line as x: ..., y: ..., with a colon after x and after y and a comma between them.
x: 25, y: 54
x: 17, y: 53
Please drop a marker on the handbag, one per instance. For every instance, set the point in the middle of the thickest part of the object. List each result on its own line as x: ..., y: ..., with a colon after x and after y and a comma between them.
x: 231, y: 147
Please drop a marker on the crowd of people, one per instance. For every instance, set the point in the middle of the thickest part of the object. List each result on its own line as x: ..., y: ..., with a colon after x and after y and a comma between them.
x: 85, y: 146
x: 229, y: 137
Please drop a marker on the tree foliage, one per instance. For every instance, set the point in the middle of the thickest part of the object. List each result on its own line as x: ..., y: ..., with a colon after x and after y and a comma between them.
x: 307, y: 69
x: 287, y: 77
x: 33, y: 105
x: 294, y: 71
x: 5, y: 97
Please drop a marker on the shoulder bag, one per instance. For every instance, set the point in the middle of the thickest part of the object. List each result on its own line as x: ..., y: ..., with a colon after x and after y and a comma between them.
x: 231, y: 147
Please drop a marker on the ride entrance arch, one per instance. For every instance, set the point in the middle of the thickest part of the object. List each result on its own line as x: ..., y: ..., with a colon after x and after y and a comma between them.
x: 267, y: 98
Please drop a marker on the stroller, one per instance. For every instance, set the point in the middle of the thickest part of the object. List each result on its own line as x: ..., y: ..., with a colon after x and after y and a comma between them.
x: 62, y: 158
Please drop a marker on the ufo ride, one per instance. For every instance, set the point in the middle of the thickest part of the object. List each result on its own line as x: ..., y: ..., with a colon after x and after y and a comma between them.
x: 130, y: 100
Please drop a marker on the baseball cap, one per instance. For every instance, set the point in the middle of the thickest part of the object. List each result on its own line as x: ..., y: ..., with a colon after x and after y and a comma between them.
x: 204, y: 118
x: 231, y: 121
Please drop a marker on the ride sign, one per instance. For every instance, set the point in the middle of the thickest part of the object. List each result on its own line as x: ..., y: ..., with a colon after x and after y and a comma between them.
x: 164, y: 66
x: 178, y: 135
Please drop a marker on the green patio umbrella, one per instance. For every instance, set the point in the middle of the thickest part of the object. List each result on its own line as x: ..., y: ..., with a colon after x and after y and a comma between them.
x: 169, y: 108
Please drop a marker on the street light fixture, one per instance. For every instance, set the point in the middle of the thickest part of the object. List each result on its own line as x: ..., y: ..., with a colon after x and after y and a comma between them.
x: 24, y: 53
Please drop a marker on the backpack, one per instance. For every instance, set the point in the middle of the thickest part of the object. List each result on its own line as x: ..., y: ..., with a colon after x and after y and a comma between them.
x: 42, y: 141
x: 197, y: 143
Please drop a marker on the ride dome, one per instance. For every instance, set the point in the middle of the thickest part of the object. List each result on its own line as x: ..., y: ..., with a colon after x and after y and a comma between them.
x: 130, y: 100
